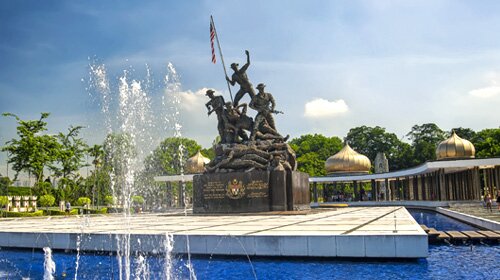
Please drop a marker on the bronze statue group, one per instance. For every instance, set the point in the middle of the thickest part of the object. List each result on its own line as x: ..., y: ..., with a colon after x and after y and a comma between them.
x: 264, y: 148
x: 233, y: 122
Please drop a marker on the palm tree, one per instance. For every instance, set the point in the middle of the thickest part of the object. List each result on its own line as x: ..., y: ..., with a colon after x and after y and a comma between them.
x: 97, y: 153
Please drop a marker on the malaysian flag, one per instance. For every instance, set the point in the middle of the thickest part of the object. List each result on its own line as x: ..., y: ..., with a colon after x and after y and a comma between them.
x: 212, y: 36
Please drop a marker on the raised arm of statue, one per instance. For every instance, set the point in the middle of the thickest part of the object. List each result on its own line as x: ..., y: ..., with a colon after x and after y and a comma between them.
x: 244, y: 67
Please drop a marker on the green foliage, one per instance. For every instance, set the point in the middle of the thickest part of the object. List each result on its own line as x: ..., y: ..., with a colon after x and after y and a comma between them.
x: 487, y: 143
x: 425, y: 139
x: 71, y: 153
x: 371, y: 140
x: 46, y: 200
x: 83, y: 201
x: 58, y: 212
x: 137, y: 199
x: 19, y: 191
x: 4, y: 185
x: 33, y: 151
x: 313, y: 150
x: 4, y: 201
x: 170, y: 155
x: 465, y: 133
x: 209, y: 153
x: 109, y: 200
x: 42, y: 188
x: 11, y: 214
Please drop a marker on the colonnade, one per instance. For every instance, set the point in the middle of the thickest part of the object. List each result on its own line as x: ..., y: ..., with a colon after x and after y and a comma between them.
x: 438, y: 185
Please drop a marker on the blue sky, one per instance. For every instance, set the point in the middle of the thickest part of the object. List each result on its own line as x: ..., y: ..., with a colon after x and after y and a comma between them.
x: 331, y: 65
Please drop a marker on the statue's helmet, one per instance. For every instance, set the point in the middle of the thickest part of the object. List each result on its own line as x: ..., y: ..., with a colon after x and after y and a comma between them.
x: 210, y: 92
x: 234, y: 64
x: 261, y: 86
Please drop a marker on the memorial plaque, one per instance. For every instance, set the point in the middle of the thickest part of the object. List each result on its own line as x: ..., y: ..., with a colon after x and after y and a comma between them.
x: 235, y: 192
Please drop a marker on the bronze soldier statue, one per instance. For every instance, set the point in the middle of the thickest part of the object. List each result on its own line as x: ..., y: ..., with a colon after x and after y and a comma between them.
x: 264, y: 104
x: 238, y: 121
x: 240, y: 77
x: 216, y: 104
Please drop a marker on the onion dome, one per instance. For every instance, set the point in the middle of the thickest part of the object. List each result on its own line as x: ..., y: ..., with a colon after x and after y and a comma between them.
x: 347, y: 161
x: 455, y: 147
x: 196, y: 164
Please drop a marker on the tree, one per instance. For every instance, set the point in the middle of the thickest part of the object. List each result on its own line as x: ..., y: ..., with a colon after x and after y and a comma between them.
x: 4, y: 185
x: 313, y: 150
x: 33, y: 151
x: 425, y: 139
x: 4, y: 201
x: 46, y: 200
x: 487, y: 143
x: 171, y: 154
x: 109, y: 200
x: 97, y: 153
x: 137, y: 199
x: 118, y: 149
x: 71, y: 153
x: 371, y: 140
x: 465, y: 133
x: 83, y: 201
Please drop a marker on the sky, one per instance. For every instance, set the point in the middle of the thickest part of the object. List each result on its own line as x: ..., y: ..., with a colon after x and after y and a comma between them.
x: 330, y: 65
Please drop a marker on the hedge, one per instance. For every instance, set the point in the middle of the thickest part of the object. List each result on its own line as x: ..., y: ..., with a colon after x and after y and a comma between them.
x: 59, y: 212
x: 10, y: 214
x: 19, y: 191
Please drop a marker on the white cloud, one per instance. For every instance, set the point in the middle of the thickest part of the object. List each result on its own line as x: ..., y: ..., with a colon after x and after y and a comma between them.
x: 486, y: 92
x: 320, y: 108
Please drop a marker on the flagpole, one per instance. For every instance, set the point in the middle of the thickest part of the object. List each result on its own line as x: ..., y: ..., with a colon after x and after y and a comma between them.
x: 221, y: 57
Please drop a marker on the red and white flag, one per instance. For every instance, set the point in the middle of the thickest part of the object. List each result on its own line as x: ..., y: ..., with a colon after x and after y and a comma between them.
x: 212, y: 36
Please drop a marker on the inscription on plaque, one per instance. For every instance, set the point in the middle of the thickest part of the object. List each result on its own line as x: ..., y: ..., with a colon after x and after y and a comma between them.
x: 257, y: 189
x: 214, y: 190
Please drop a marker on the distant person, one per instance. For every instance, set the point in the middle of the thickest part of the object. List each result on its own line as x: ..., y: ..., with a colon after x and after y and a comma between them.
x: 361, y: 194
x: 68, y: 207
x: 487, y: 199
x: 498, y: 200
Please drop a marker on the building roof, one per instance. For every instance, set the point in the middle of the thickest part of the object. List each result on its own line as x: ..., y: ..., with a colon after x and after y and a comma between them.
x: 449, y: 166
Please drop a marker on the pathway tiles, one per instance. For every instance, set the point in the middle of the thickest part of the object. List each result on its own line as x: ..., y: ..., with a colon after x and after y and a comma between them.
x: 362, y: 220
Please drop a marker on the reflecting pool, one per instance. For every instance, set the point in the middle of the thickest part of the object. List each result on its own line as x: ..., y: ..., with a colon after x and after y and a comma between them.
x: 444, y: 262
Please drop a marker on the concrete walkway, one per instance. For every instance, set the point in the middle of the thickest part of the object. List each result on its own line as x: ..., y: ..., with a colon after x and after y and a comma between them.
x: 477, y: 209
x: 350, y: 232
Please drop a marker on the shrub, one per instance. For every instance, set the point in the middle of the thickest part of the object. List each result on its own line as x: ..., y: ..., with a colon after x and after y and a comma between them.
x: 137, y: 199
x: 59, y: 212
x: 109, y: 200
x: 96, y: 211
x: 21, y: 214
x: 3, y: 201
x: 46, y: 200
x: 82, y: 201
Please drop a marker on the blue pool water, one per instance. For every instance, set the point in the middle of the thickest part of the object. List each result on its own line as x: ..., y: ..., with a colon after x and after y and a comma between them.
x: 444, y: 262
x: 438, y: 221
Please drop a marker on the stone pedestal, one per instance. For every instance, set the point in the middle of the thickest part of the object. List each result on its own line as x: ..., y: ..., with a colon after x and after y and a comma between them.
x: 247, y: 192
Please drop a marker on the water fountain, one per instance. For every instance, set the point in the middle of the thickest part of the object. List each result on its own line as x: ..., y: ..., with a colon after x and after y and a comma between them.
x: 141, y: 128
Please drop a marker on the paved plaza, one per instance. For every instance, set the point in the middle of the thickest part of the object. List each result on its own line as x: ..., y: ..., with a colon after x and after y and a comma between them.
x: 346, y: 232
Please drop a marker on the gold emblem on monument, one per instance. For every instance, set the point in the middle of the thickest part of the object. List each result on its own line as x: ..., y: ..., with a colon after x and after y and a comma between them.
x: 235, y: 189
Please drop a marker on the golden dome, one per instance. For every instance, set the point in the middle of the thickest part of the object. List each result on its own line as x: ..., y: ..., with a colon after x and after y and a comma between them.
x: 196, y: 164
x: 347, y: 161
x: 455, y: 147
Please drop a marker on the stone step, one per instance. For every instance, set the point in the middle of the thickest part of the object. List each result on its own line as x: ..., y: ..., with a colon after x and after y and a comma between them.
x: 490, y: 234
x: 425, y: 228
x: 456, y: 235
x: 473, y: 235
